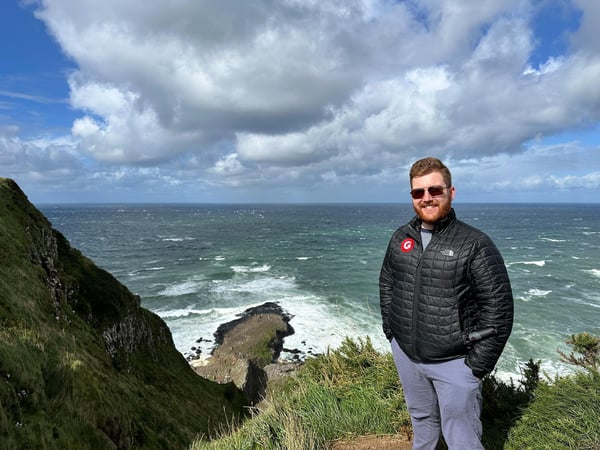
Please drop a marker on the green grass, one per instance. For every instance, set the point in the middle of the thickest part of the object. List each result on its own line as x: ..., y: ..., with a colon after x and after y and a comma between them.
x: 350, y: 391
x: 63, y: 382
x: 564, y: 415
x: 354, y: 391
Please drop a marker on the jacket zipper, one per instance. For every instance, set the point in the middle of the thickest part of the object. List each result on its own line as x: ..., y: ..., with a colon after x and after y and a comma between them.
x: 416, y: 296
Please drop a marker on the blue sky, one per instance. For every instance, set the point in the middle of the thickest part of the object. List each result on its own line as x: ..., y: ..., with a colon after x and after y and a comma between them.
x: 299, y: 100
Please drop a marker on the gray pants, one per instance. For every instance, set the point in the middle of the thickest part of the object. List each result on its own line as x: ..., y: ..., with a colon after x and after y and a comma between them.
x: 441, y: 396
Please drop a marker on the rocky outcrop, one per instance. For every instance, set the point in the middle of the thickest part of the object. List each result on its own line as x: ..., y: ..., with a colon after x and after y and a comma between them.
x: 247, y: 351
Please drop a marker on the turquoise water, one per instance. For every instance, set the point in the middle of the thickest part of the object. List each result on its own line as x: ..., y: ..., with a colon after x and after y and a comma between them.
x: 197, y: 266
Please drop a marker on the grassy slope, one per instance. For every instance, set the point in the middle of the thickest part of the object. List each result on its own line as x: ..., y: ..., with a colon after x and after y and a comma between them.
x: 354, y: 391
x: 59, y: 387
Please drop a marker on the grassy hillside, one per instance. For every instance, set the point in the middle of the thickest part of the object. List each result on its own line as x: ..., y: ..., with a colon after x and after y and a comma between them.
x: 82, y: 365
x: 352, y: 394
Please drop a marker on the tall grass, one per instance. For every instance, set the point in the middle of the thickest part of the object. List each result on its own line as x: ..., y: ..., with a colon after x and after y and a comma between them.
x: 354, y: 390
x: 565, y: 414
x: 350, y: 391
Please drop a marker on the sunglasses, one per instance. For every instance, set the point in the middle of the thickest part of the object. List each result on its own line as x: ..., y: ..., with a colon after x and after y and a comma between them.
x: 434, y: 191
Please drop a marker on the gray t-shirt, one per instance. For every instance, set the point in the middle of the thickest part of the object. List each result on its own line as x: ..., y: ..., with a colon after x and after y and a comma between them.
x: 425, y: 237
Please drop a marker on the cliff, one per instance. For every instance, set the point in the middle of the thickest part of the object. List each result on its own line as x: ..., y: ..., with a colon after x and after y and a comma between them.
x: 82, y: 364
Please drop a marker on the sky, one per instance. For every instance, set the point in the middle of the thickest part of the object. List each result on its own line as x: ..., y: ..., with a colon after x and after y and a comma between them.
x: 299, y: 101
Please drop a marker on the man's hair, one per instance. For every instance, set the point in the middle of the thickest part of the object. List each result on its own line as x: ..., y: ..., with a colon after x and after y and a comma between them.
x: 428, y: 165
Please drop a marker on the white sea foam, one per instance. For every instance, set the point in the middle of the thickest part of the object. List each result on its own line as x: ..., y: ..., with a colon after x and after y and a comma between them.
x: 538, y: 292
x: 274, y: 285
x: 243, y: 269
x: 541, y: 263
x: 532, y: 294
x: 302, y: 258
x: 321, y: 326
x: 553, y: 240
x: 186, y: 287
x: 176, y: 239
x: 186, y: 312
x: 535, y: 263
x: 591, y: 301
x: 154, y: 261
x: 594, y: 272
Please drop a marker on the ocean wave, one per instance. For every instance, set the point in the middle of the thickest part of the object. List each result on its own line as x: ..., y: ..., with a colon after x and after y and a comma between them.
x: 186, y: 287
x: 252, y: 269
x: 594, y: 272
x: 532, y: 294
x: 540, y: 263
x: 177, y: 239
x: 553, y: 240
x: 538, y: 292
x: 590, y: 301
x: 265, y: 285
x: 186, y: 312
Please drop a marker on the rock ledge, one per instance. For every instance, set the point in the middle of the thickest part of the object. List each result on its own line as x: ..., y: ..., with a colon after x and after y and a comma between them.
x: 247, y: 351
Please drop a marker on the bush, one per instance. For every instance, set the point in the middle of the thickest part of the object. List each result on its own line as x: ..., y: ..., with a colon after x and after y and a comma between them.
x: 503, y: 404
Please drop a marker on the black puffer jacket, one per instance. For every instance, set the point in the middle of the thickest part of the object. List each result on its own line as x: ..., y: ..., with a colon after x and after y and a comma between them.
x: 430, y: 300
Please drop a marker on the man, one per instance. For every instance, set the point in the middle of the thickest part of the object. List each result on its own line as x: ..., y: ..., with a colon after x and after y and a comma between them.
x: 447, y: 309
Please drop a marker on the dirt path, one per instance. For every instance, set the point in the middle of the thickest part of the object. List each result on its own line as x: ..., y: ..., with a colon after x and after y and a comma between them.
x: 373, y: 443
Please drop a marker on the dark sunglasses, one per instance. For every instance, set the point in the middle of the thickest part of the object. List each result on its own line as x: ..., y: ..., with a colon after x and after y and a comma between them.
x: 434, y: 191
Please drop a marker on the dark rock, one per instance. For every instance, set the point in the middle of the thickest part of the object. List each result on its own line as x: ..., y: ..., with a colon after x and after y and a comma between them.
x: 245, y: 347
x: 265, y: 308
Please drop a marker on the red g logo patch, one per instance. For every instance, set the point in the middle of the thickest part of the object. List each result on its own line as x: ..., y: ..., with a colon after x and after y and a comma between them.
x: 407, y: 245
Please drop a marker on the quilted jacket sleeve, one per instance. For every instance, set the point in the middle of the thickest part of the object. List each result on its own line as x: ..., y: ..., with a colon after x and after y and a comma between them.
x: 385, y: 294
x: 491, y: 287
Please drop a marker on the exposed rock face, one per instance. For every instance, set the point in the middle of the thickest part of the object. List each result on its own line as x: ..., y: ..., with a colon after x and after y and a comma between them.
x: 248, y: 349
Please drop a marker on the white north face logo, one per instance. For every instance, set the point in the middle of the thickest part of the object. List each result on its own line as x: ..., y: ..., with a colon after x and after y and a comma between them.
x: 448, y: 252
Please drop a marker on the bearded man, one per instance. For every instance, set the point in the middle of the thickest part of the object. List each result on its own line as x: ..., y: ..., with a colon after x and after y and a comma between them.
x: 447, y: 310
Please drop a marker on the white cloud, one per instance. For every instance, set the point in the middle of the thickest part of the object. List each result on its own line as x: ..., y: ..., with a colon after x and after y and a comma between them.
x: 228, y: 165
x: 275, y: 93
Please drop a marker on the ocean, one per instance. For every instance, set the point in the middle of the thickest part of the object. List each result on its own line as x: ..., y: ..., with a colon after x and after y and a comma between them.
x: 198, y: 266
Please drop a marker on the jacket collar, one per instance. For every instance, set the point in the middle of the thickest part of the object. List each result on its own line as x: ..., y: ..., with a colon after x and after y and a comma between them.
x: 439, y: 226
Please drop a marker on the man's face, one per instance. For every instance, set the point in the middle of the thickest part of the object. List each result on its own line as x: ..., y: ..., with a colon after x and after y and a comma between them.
x: 431, y: 209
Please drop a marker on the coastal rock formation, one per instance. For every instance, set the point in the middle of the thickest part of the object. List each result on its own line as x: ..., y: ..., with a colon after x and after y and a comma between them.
x: 247, y: 351
x: 82, y: 364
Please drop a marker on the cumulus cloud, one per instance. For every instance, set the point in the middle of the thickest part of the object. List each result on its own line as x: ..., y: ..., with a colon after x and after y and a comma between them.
x: 288, y: 92
x: 39, y: 159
